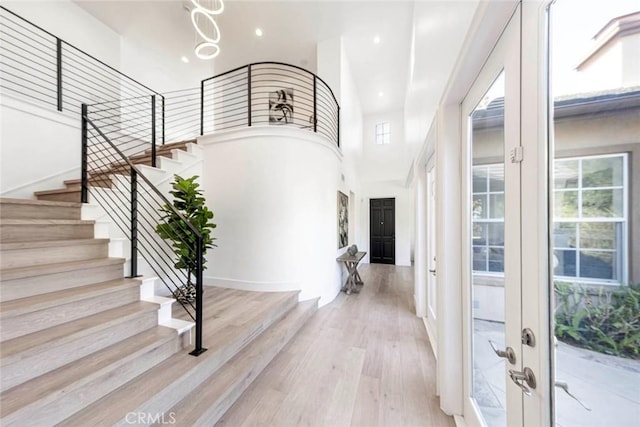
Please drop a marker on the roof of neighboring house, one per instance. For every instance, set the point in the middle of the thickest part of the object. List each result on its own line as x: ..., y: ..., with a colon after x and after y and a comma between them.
x: 618, y: 27
x: 568, y: 105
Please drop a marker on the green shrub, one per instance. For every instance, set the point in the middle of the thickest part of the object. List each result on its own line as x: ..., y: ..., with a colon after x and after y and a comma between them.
x: 606, y: 320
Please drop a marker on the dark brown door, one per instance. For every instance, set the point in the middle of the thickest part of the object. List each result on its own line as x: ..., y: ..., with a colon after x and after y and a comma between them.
x: 382, y: 231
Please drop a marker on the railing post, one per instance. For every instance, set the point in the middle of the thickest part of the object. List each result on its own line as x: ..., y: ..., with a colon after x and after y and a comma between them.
x: 201, y: 107
x: 199, y: 296
x: 315, y: 104
x: 134, y: 223
x: 59, y: 71
x: 84, y: 192
x: 163, y: 141
x: 153, y: 131
x: 249, y: 94
x: 338, y: 126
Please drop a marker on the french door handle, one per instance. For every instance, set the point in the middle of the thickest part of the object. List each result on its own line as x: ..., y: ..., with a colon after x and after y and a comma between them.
x: 507, y: 353
x: 432, y: 271
x: 524, y: 377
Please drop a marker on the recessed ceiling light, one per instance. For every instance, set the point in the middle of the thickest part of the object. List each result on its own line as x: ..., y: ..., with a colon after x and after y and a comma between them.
x: 376, y: 39
x: 380, y: 94
x: 184, y: 59
x: 259, y: 32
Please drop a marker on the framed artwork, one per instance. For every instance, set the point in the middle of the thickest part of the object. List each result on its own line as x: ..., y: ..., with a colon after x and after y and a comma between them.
x: 343, y: 220
x: 281, y: 107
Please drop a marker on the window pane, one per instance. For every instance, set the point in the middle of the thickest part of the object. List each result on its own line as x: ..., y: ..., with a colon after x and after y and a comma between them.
x: 479, y: 180
x: 496, y: 259
x: 480, y: 206
x: 496, y: 207
x: 602, y: 172
x: 480, y: 258
x: 601, y: 203
x: 496, y: 178
x: 598, y: 235
x: 564, y: 263
x: 564, y: 235
x: 598, y: 265
x: 566, y: 204
x: 479, y: 234
x: 566, y: 174
x: 496, y: 234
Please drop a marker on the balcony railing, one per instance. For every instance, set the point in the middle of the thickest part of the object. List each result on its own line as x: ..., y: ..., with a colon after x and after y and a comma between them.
x: 269, y: 94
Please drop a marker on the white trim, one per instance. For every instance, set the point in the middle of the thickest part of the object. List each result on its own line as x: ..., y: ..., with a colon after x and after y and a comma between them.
x: 432, y: 339
x: 55, y: 181
x: 39, y: 110
x: 460, y: 421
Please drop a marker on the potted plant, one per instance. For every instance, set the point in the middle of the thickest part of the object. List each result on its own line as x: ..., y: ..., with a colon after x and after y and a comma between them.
x: 189, y: 201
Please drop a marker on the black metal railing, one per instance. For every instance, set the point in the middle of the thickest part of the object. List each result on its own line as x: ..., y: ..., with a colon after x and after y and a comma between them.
x: 135, y: 206
x: 269, y: 93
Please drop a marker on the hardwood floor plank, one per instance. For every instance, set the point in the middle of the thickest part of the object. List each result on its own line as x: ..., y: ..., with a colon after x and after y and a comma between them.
x: 363, y: 360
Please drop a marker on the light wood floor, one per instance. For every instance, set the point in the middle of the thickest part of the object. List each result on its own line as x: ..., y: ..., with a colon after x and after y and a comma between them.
x: 363, y: 360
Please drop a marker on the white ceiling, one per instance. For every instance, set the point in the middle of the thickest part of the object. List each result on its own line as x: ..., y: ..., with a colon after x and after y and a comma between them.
x: 412, y: 81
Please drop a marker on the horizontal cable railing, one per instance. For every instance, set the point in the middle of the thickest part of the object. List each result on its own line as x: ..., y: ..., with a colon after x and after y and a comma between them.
x: 136, y: 207
x: 269, y: 94
x: 45, y: 69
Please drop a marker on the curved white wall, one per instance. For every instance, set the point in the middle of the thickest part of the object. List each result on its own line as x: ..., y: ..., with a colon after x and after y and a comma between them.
x: 273, y: 190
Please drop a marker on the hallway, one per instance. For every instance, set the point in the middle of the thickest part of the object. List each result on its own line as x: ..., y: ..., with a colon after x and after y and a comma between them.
x: 362, y: 360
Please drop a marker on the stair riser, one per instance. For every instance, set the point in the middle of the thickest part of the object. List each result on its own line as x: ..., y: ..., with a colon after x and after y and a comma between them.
x: 30, y: 286
x: 71, y: 196
x: 163, y: 400
x: 23, y: 211
x: 45, y: 358
x: 17, y: 326
x: 31, y: 233
x: 38, y: 256
x: 54, y: 409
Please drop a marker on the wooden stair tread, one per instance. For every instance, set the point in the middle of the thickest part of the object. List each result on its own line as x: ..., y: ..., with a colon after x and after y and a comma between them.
x: 218, y: 392
x: 45, y: 269
x: 51, y: 299
x: 60, y: 381
x: 57, y: 191
x: 28, y: 221
x: 165, y: 380
x: 39, y: 202
x: 51, y: 337
x: 51, y: 243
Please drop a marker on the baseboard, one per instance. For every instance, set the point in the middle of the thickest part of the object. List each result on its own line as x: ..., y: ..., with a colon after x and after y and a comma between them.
x: 432, y: 338
x: 25, y: 191
x: 247, y: 285
x: 459, y: 420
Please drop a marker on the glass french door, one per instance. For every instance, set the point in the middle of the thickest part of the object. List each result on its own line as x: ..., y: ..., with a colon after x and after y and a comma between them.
x: 496, y: 380
x: 594, y: 244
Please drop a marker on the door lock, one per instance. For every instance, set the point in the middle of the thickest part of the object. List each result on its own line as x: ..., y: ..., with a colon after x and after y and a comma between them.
x: 524, y: 377
x: 507, y: 353
x: 528, y: 338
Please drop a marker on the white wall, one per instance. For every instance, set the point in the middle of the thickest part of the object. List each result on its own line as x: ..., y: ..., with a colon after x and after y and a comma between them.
x: 385, y: 162
x: 274, y: 194
x: 40, y: 146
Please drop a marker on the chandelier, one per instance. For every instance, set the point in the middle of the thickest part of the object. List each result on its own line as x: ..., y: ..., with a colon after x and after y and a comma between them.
x: 207, y: 31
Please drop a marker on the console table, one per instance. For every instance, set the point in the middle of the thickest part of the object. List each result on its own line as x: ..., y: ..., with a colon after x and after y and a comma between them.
x: 354, y: 279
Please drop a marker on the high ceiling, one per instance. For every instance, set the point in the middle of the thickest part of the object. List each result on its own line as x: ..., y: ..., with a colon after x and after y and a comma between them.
x: 407, y: 69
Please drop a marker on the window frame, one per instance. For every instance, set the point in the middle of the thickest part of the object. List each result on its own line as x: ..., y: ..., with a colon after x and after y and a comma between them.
x: 622, y: 248
x: 383, y: 133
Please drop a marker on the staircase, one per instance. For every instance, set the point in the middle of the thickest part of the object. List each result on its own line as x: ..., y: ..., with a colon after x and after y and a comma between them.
x: 82, y: 345
x: 72, y: 189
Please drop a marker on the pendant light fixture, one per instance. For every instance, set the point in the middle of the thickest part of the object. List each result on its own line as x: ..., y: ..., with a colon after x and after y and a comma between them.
x: 207, y: 30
